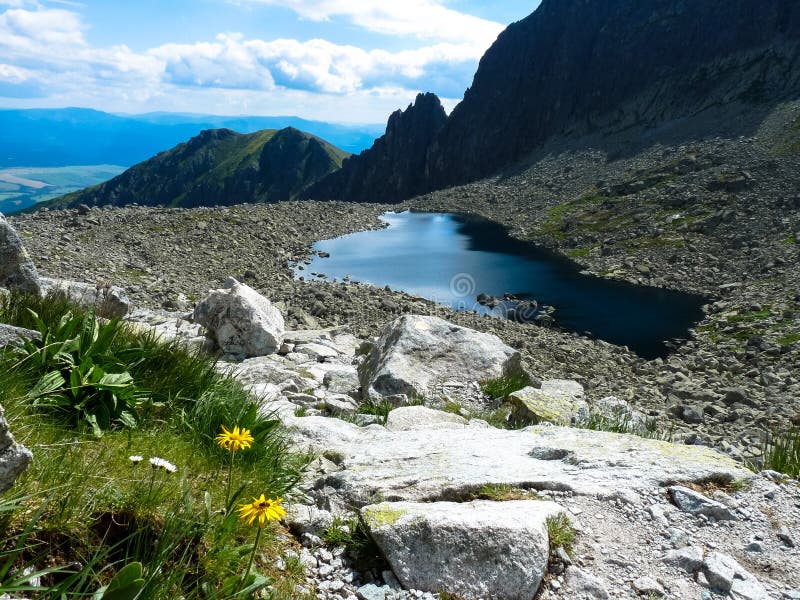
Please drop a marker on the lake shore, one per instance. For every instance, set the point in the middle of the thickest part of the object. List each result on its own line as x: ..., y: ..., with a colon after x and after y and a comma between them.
x: 170, y: 258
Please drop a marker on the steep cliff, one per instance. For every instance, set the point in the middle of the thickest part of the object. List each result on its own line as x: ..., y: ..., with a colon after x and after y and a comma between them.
x: 577, y: 67
x: 394, y: 168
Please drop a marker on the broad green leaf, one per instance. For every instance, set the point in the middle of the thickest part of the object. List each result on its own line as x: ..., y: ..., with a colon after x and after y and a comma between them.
x: 92, y: 420
x: 116, y: 380
x: 49, y: 383
x: 102, y: 416
x: 128, y: 419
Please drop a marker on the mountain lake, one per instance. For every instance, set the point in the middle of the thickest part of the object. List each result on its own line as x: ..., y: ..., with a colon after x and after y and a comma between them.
x: 451, y: 259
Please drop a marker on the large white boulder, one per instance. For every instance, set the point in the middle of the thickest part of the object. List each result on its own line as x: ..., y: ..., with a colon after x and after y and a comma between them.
x: 240, y: 320
x: 14, y: 458
x: 472, y: 550
x: 415, y: 352
x: 109, y: 300
x: 17, y: 271
x: 423, y: 465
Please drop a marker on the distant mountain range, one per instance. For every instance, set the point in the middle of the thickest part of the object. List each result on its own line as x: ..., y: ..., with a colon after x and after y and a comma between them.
x: 573, y: 70
x: 77, y: 136
x: 220, y: 167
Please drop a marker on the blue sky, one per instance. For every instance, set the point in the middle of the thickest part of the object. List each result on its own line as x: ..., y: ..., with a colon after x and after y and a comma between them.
x: 334, y: 60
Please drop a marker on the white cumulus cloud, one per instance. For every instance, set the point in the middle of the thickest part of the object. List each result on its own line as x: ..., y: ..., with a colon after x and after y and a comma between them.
x: 427, y: 19
x: 46, y: 50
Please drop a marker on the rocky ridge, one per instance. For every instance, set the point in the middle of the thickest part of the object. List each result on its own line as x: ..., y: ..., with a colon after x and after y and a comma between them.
x: 575, y: 68
x: 219, y: 166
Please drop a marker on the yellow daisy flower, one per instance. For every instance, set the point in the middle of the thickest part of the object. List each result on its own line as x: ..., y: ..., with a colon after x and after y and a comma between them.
x: 262, y: 509
x: 235, y: 440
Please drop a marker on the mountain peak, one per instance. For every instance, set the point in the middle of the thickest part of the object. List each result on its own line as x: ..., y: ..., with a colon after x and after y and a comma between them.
x: 396, y: 162
x: 582, y: 67
x: 218, y: 167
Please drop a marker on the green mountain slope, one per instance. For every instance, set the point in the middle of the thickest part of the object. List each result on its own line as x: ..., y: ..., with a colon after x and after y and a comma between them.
x: 219, y: 167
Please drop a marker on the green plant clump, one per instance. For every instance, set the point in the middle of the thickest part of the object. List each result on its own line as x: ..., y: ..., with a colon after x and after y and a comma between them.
x: 79, y: 377
x: 782, y: 453
x: 560, y: 532
x: 503, y: 386
x: 353, y: 535
x: 139, y: 513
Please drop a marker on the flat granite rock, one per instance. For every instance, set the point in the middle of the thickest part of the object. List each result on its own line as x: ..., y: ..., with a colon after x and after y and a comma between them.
x: 426, y: 465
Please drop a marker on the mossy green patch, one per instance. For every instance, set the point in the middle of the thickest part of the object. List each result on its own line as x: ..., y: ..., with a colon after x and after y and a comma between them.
x: 382, y: 515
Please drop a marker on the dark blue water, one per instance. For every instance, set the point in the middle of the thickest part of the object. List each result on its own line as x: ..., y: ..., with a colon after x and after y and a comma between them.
x: 450, y: 260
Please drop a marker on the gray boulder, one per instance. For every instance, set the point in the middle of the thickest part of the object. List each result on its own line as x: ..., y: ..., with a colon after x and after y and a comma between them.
x: 584, y: 585
x: 241, y: 321
x: 110, y: 300
x: 473, y: 550
x: 696, y: 503
x: 726, y: 575
x: 416, y: 418
x: 10, y: 335
x: 415, y: 352
x: 342, y: 380
x: 17, y: 271
x: 558, y: 401
x: 14, y: 458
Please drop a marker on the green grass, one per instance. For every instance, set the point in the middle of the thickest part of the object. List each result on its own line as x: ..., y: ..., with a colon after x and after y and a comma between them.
x: 789, y: 339
x: 83, y: 501
x: 353, y: 535
x: 378, y: 409
x: 623, y: 424
x: 500, y: 492
x: 782, y: 453
x: 503, y: 386
x: 560, y: 532
x: 579, y: 252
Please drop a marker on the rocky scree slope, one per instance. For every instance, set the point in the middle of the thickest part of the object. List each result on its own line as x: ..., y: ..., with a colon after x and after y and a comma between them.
x: 704, y: 393
x: 457, y: 506
x: 219, y: 167
x: 576, y: 67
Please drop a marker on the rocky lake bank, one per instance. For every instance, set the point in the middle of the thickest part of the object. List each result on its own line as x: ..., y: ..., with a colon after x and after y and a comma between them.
x: 735, y: 380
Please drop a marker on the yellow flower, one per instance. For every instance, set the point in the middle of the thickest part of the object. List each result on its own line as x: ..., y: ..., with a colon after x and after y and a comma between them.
x: 234, y: 440
x: 262, y: 509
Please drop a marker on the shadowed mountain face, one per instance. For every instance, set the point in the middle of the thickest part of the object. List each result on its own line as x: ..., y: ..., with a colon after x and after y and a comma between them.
x: 220, y: 167
x: 577, y: 67
x: 394, y: 168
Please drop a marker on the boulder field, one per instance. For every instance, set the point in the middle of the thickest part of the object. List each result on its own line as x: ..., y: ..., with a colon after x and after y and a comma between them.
x: 459, y: 508
x: 459, y: 503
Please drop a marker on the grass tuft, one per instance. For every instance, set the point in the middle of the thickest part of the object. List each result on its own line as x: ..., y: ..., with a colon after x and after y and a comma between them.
x: 782, y: 453
x: 503, y: 386
x: 560, y: 532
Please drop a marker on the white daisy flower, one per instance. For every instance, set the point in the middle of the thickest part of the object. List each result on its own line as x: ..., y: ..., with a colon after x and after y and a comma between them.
x: 136, y: 459
x: 160, y: 463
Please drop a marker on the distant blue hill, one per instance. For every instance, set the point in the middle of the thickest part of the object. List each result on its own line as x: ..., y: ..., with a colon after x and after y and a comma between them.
x: 79, y: 136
